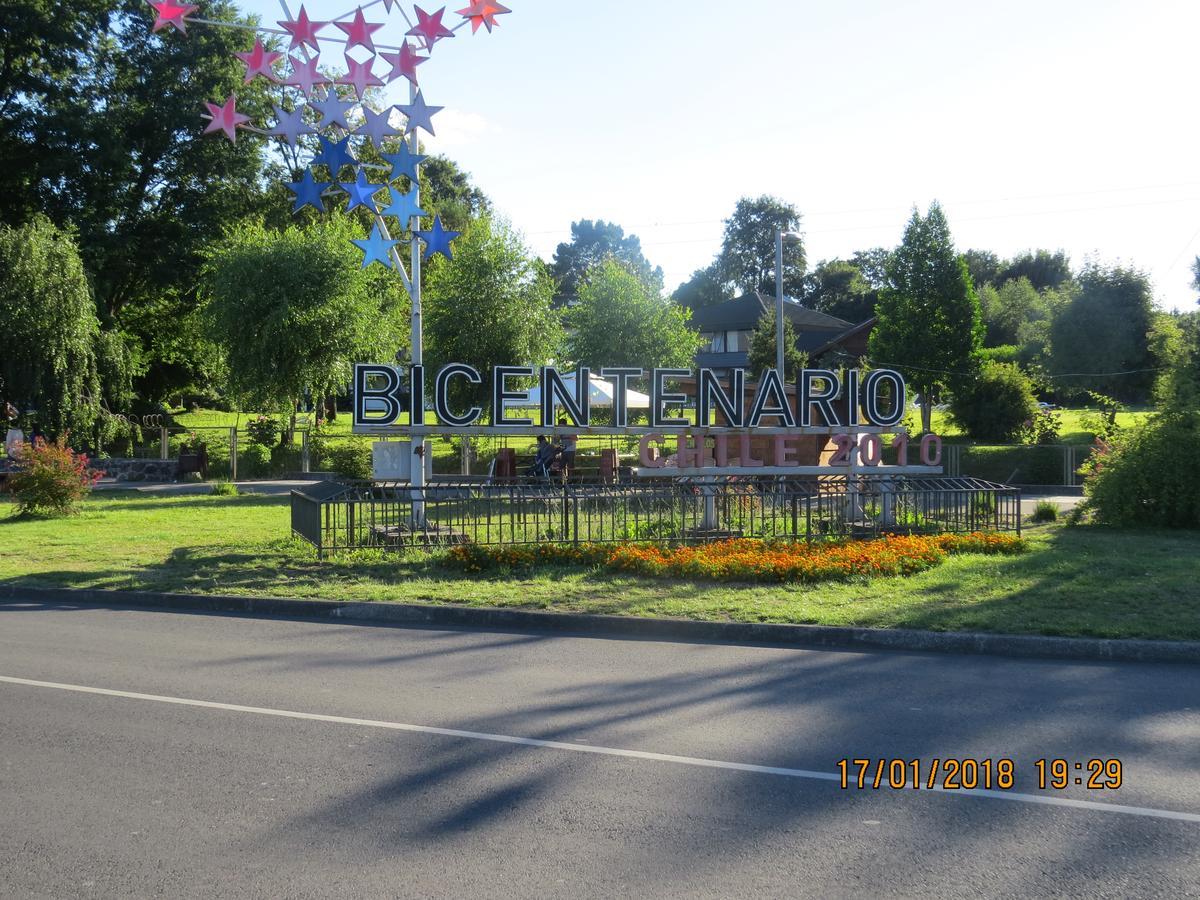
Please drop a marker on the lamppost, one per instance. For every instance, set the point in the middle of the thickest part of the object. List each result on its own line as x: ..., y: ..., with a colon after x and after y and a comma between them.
x: 781, y: 237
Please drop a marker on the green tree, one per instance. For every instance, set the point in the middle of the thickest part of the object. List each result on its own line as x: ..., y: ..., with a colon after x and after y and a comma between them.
x: 837, y: 287
x: 873, y: 264
x: 1043, y: 268
x: 762, y: 348
x: 293, y: 310
x: 621, y: 321
x: 591, y: 243
x: 747, y: 257
x: 1006, y: 308
x: 704, y: 288
x: 984, y: 267
x: 490, y: 306
x: 49, y: 334
x: 100, y: 129
x: 929, y: 324
x: 1100, y: 340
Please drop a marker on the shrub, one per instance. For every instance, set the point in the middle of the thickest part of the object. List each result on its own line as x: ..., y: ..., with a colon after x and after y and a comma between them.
x: 1148, y: 475
x: 264, y: 430
x: 350, y: 459
x: 254, y: 461
x: 996, y: 404
x: 1042, y: 428
x: 1045, y: 511
x: 224, y: 489
x: 51, y: 479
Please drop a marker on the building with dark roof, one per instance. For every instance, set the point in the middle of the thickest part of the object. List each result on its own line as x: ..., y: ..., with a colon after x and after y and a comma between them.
x: 727, y: 327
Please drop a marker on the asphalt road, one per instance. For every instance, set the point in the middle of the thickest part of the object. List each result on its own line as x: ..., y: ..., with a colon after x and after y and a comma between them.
x: 556, y: 770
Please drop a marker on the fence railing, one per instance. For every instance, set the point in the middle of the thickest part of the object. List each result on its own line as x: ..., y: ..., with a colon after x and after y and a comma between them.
x: 1055, y: 465
x: 334, y: 516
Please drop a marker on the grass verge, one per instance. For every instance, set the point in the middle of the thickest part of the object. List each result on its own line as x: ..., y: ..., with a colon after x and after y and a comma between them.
x: 1083, y: 581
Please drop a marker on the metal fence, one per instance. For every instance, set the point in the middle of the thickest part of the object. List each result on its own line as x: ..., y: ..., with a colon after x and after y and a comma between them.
x: 334, y: 516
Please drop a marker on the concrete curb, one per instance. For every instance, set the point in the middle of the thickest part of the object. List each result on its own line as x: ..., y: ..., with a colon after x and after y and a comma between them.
x: 821, y: 636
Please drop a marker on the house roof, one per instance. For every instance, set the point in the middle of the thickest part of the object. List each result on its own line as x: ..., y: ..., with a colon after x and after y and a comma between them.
x: 743, y: 313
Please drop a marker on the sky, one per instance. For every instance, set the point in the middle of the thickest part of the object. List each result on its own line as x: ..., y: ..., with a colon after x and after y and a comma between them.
x: 1060, y: 124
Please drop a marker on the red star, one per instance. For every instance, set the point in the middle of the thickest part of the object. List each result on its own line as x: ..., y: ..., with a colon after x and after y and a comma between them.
x: 483, y: 12
x: 258, y: 62
x: 225, y: 118
x: 303, y: 31
x: 305, y: 74
x: 430, y: 28
x: 168, y: 12
x: 360, y: 75
x: 404, y: 63
x: 358, y: 32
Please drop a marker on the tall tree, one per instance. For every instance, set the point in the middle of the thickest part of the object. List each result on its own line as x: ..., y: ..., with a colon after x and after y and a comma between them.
x: 837, y: 287
x: 293, y: 310
x: 929, y: 324
x: 704, y: 288
x: 763, y: 351
x: 873, y: 264
x: 747, y: 257
x: 48, y: 340
x: 621, y: 321
x: 1101, y: 340
x: 591, y: 243
x: 1044, y: 269
x: 984, y: 267
x: 490, y: 306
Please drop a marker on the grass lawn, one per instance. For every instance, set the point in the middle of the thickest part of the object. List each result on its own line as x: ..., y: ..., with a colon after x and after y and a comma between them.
x: 1075, y: 581
x: 1073, y: 429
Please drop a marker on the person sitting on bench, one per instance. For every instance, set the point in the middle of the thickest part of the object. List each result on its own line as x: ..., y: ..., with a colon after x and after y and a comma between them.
x: 542, y: 459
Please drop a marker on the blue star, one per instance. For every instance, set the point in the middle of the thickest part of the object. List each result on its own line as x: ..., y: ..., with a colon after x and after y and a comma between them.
x: 419, y: 113
x: 403, y: 163
x: 361, y: 193
x: 376, y: 248
x: 377, y: 126
x: 308, y: 192
x: 334, y: 110
x: 437, y: 239
x: 334, y: 154
x: 404, y: 206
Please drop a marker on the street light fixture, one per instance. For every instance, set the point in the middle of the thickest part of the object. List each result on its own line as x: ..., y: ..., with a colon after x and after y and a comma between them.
x: 781, y: 237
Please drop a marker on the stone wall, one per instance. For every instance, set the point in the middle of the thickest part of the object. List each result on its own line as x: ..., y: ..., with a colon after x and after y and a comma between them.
x: 122, y: 469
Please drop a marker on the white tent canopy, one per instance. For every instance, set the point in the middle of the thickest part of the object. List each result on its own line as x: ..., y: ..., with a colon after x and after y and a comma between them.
x: 600, y: 391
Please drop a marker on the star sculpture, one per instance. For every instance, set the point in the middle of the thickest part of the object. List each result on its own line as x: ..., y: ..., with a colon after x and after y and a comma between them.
x: 360, y: 75
x: 291, y: 125
x: 168, y: 12
x: 259, y: 62
x: 430, y: 28
x: 376, y: 248
x: 403, y: 163
x: 437, y: 239
x: 377, y: 125
x: 404, y: 63
x: 359, y: 31
x: 483, y: 13
x: 419, y: 114
x: 305, y: 75
x: 334, y: 155
x: 225, y: 118
x: 334, y: 110
x: 303, y: 30
x: 308, y: 192
x: 403, y: 206
x: 361, y: 192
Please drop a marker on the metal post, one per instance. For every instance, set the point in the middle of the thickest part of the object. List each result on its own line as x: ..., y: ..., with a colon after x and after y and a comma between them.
x: 233, y: 453
x: 779, y: 304
x: 305, y: 459
x: 164, y: 448
x: 418, y: 470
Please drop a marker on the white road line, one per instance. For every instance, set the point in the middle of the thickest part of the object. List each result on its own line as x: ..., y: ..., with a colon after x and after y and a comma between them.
x: 1013, y: 796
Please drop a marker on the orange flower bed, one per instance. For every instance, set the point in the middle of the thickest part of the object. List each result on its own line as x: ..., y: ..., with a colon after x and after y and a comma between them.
x: 747, y: 560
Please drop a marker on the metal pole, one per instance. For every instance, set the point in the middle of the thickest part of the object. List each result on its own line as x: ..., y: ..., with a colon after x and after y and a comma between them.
x: 418, y: 468
x: 233, y: 454
x: 779, y: 304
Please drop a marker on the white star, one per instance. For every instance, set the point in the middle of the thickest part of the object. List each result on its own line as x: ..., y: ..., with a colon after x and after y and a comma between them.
x: 333, y: 110
x: 377, y: 125
x: 291, y: 125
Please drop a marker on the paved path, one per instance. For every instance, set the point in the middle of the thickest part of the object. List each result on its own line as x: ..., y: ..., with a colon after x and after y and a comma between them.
x: 185, y: 488
x: 341, y: 760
